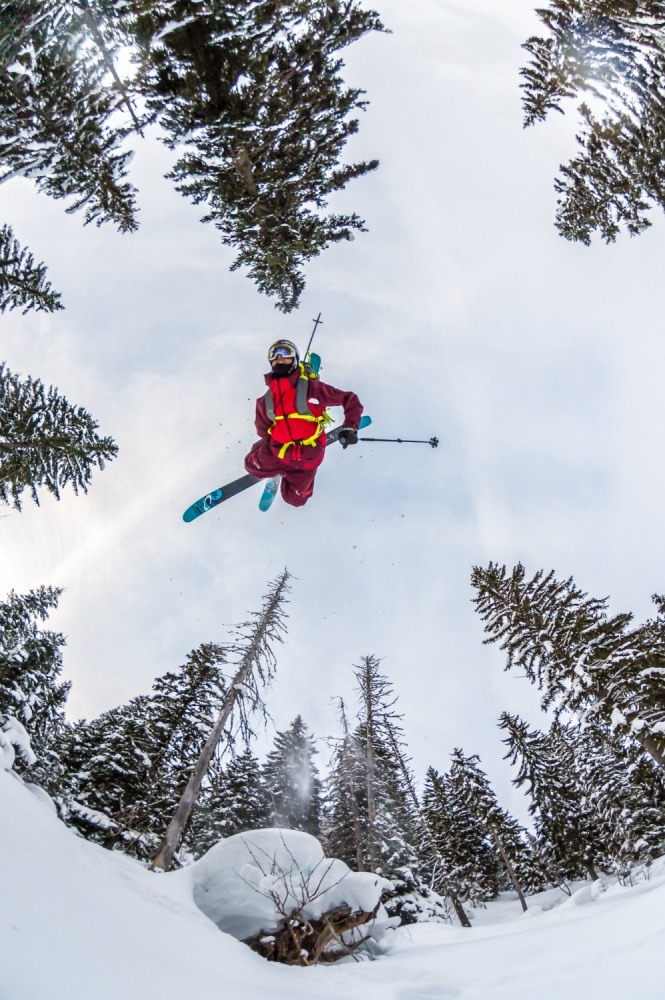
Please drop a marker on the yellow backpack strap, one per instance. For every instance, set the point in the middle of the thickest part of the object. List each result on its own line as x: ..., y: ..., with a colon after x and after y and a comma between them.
x: 302, y: 392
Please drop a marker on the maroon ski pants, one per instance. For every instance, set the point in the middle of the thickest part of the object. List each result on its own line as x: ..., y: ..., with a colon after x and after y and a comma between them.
x: 297, y: 476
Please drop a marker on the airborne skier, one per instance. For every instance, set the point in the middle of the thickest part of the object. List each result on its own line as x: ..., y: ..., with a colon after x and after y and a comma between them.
x: 290, y: 421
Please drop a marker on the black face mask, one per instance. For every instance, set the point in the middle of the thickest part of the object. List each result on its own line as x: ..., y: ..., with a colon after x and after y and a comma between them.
x: 282, y: 370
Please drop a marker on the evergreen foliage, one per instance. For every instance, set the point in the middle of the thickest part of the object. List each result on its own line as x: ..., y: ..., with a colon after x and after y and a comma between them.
x: 253, y: 93
x: 249, y: 92
x: 477, y: 866
x: 23, y: 283
x: 56, y: 107
x: 568, y: 832
x: 45, y: 441
x: 502, y: 858
x: 30, y: 665
x: 614, y: 51
x: 624, y: 792
x: 292, y: 783
x: 233, y: 800
x: 373, y: 820
x: 128, y: 768
x: 345, y: 804
x: 584, y: 661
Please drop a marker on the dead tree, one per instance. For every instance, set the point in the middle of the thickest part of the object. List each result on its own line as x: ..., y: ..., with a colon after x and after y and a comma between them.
x: 256, y: 664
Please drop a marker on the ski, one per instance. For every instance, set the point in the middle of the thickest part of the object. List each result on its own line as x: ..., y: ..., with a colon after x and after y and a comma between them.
x: 218, y: 496
x: 269, y: 492
x: 215, y: 497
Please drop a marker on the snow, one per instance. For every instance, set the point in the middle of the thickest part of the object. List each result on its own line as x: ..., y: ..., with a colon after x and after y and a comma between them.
x: 78, y: 922
x: 245, y: 881
x: 13, y: 739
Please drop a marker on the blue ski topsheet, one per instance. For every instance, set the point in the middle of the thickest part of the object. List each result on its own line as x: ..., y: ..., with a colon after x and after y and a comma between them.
x: 269, y: 492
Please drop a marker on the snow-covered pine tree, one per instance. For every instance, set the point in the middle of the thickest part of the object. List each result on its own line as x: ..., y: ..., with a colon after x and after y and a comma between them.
x: 464, y: 854
x: 584, y: 662
x: 30, y: 666
x: 253, y: 95
x: 249, y: 93
x: 105, y: 792
x: 291, y: 780
x: 624, y: 791
x: 128, y: 767
x: 442, y: 831
x: 566, y: 830
x: 345, y: 822
x: 45, y: 441
x: 614, y: 51
x: 57, y: 100
x: 23, y: 283
x: 494, y: 843
x: 387, y: 801
x: 255, y: 665
x: 233, y: 800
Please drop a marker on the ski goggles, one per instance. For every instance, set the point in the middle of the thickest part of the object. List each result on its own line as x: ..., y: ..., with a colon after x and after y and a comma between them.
x: 281, y: 351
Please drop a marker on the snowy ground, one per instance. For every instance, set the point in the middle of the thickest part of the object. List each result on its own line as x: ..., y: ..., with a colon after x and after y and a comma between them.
x: 78, y: 922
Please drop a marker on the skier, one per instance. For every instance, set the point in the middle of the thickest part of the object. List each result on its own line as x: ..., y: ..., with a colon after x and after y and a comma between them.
x: 290, y: 421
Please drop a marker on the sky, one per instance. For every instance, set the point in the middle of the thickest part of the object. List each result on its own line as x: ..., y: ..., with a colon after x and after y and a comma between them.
x: 461, y: 314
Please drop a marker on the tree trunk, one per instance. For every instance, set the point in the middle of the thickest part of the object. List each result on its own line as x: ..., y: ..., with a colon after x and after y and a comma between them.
x: 371, y: 798
x: 511, y: 871
x: 176, y: 828
x: 268, y: 621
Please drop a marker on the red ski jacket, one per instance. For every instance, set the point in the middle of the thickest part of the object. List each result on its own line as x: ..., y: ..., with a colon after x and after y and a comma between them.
x: 308, y: 439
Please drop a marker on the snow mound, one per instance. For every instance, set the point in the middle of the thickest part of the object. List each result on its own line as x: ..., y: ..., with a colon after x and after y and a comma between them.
x: 13, y: 739
x: 247, y: 883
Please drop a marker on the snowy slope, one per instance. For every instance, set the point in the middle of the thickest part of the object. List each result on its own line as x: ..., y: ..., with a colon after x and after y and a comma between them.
x: 78, y: 922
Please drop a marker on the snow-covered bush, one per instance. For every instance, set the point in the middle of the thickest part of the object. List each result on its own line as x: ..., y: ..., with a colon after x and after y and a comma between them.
x: 276, y: 890
x: 13, y: 740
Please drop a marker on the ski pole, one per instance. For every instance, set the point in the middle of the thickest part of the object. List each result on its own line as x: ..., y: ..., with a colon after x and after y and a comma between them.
x: 433, y: 441
x: 316, y: 323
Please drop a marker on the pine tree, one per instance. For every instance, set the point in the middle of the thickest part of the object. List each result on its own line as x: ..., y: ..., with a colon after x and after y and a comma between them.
x: 128, y: 768
x: 585, y: 662
x: 496, y: 843
x: 345, y: 819
x: 253, y: 93
x: 613, y: 50
x: 249, y: 92
x: 23, y: 284
x: 30, y: 665
x: 105, y: 791
x: 626, y: 794
x: 567, y: 831
x: 443, y: 865
x: 56, y: 109
x: 292, y: 782
x: 45, y: 441
x: 386, y: 798
x: 233, y: 800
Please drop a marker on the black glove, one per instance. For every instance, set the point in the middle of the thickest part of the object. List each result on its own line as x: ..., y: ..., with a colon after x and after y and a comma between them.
x: 347, y: 436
